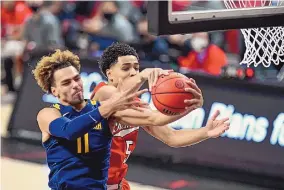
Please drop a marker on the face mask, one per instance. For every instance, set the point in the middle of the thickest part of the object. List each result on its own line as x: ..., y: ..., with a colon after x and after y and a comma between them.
x: 198, y: 43
x: 108, y: 16
x: 142, y: 36
x: 34, y: 8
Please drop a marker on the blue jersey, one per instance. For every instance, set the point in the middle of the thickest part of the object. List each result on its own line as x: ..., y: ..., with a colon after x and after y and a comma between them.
x: 82, y: 163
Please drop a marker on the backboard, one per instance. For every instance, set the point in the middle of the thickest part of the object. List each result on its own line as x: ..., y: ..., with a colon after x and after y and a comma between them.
x: 189, y: 16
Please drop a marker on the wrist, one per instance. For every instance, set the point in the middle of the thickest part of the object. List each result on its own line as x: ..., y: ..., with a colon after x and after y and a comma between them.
x: 105, y: 110
x: 144, y: 74
x: 205, y: 132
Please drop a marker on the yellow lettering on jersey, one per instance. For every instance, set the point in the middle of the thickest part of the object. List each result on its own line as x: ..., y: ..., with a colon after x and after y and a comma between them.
x: 57, y: 106
x: 79, y: 145
x: 93, y: 102
x: 86, y: 141
x: 98, y: 126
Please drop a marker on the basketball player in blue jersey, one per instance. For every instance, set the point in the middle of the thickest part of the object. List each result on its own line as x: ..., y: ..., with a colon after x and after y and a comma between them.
x: 75, y: 132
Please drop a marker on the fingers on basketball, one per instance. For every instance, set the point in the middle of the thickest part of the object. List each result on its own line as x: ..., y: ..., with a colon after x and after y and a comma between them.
x: 191, y: 102
x: 156, y: 76
x: 194, y: 92
x: 193, y: 85
x: 190, y: 108
x: 192, y: 80
x: 166, y: 72
x: 150, y: 80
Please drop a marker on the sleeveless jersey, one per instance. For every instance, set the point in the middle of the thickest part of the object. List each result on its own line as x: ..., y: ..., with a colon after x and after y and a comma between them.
x: 82, y: 163
x: 123, y: 144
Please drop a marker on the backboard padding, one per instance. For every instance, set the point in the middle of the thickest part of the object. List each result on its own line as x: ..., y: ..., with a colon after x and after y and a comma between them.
x: 159, y: 24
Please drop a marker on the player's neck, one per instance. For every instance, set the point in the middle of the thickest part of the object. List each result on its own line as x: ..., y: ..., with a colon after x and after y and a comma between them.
x: 111, y: 84
x: 77, y: 107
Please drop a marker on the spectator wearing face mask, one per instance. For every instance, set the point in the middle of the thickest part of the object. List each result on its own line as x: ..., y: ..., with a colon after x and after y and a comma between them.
x: 42, y: 31
x: 204, y: 57
x: 110, y: 22
x: 149, y: 43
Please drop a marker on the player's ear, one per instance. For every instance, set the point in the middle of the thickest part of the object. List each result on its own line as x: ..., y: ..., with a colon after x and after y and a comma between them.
x: 108, y: 73
x: 54, y: 91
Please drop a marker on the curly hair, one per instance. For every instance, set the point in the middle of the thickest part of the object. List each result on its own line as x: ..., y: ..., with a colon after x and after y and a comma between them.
x: 112, y: 53
x: 46, y: 67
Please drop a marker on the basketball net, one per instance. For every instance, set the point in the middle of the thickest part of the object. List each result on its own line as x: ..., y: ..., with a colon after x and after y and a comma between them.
x: 263, y: 45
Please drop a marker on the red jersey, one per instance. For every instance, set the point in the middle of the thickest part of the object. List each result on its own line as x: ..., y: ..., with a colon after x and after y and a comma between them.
x: 123, y: 144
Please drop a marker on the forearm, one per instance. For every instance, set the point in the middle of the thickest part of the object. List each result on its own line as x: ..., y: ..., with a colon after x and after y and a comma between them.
x: 187, y: 137
x: 133, y: 118
x: 147, y: 117
x: 160, y: 119
x: 177, y: 138
x: 74, y: 128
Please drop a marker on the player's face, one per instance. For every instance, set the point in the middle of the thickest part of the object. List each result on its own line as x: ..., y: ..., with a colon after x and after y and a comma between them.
x: 68, y: 86
x: 126, y: 66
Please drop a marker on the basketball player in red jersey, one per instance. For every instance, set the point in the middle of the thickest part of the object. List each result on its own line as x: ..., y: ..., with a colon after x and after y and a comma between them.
x: 120, y: 61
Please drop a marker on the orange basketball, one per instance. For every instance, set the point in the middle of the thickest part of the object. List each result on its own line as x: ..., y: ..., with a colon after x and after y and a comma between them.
x: 168, y: 95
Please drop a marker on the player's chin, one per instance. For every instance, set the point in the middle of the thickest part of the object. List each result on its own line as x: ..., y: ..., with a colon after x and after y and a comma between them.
x: 77, y: 99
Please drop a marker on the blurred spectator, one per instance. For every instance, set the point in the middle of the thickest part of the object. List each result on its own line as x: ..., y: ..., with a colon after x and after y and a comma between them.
x: 205, y: 57
x: 55, y: 7
x: 179, y: 45
x: 216, y: 37
x: 152, y: 46
x: 130, y: 11
x: 42, y: 31
x: 13, y: 16
x: 109, y: 22
x: 141, y: 5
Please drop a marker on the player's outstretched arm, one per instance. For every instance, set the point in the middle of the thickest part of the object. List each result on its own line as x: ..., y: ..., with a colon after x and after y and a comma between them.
x: 50, y: 120
x: 135, y: 116
x: 155, y: 118
x: 187, y: 137
x: 146, y: 116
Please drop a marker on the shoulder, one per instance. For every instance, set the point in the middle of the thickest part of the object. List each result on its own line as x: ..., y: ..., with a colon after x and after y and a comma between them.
x: 105, y: 92
x: 107, y: 88
x: 96, y: 89
x: 46, y: 112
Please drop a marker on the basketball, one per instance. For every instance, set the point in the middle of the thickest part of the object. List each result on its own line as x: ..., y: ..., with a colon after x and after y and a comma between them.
x: 168, y: 95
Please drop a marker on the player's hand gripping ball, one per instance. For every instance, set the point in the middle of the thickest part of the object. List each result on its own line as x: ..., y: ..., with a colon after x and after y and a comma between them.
x: 169, y: 93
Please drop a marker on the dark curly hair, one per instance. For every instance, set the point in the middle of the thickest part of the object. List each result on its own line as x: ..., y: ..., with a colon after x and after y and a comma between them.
x: 112, y: 53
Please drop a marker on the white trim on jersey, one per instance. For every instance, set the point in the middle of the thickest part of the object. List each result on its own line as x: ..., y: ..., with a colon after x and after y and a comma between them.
x: 125, y: 132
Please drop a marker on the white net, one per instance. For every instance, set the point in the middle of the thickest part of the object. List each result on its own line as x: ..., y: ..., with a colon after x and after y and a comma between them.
x: 263, y: 45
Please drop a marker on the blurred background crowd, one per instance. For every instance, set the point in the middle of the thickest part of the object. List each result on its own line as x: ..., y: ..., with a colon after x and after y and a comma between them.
x: 87, y: 27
